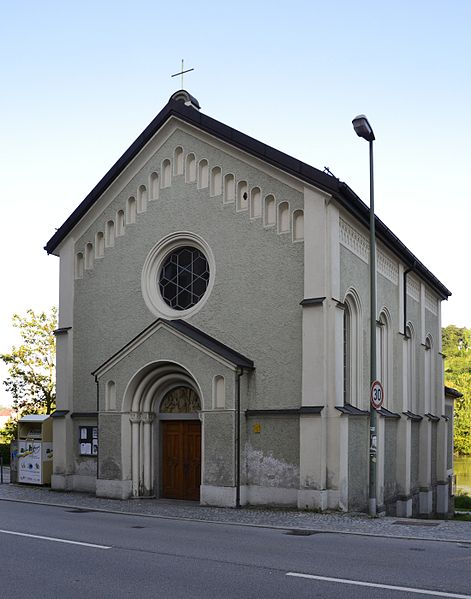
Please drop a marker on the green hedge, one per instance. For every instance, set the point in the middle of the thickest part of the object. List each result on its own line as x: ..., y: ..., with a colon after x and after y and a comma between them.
x: 5, y: 453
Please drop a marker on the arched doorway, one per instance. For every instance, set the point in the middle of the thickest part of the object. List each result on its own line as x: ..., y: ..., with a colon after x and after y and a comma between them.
x: 165, y: 432
x: 181, y: 444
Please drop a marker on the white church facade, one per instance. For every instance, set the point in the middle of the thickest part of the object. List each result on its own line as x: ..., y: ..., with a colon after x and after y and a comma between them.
x: 213, y: 339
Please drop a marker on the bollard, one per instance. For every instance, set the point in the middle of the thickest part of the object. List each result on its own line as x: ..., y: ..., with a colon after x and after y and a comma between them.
x: 1, y: 470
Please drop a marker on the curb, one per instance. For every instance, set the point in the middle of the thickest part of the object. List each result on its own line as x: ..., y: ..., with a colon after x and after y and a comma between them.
x: 244, y: 524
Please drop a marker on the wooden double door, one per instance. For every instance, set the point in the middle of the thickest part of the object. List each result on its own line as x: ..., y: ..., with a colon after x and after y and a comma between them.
x: 181, y: 459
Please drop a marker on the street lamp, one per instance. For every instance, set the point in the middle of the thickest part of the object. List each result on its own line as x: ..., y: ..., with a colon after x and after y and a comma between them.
x: 363, y: 129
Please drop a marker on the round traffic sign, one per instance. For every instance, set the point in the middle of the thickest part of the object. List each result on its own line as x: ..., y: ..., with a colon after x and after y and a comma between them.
x: 376, y: 395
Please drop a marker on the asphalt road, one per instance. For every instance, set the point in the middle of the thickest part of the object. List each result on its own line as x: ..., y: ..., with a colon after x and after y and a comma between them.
x: 61, y: 552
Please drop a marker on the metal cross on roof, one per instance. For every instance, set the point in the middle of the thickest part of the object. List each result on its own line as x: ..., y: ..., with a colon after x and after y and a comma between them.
x: 182, y: 72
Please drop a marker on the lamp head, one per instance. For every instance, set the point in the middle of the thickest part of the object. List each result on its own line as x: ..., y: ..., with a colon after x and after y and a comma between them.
x: 363, y: 128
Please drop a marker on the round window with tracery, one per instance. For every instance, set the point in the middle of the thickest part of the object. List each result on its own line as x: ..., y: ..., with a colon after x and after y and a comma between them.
x: 184, y: 277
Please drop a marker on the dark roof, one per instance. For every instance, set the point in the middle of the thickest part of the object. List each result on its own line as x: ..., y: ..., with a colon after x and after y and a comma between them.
x: 196, y: 335
x: 450, y: 392
x: 339, y: 190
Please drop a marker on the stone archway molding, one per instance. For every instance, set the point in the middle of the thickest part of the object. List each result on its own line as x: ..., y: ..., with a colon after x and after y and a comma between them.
x: 146, y: 388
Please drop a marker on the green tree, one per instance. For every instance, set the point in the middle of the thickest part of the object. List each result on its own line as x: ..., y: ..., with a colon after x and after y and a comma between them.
x: 31, y: 367
x: 457, y: 349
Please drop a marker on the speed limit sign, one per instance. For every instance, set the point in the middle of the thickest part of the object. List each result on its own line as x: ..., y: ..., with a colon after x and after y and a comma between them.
x: 376, y: 395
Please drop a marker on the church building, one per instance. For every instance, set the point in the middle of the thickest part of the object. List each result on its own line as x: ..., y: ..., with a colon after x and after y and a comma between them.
x: 213, y: 339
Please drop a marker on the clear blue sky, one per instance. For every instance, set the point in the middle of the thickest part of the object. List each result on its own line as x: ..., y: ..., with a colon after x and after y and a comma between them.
x: 81, y: 80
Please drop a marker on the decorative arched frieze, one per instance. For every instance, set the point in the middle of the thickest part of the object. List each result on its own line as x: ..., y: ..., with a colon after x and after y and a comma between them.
x: 178, y: 161
x: 203, y: 174
x: 142, y: 198
x: 154, y: 186
x: 99, y: 244
x: 166, y: 179
x: 283, y: 218
x: 131, y: 210
x: 242, y: 196
x: 216, y: 181
x: 79, y: 265
x: 190, y: 170
x: 298, y: 225
x: 109, y: 236
x: 255, y: 202
x: 120, y: 223
x: 89, y: 256
x: 229, y: 188
x: 269, y: 211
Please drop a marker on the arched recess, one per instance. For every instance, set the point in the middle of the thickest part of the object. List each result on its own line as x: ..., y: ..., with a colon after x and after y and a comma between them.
x: 143, y: 400
x: 352, y: 349
x: 409, y: 386
x: 429, y: 376
x: 384, y: 355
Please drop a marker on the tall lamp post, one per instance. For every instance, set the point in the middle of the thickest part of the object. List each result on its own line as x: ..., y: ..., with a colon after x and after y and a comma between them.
x: 363, y: 129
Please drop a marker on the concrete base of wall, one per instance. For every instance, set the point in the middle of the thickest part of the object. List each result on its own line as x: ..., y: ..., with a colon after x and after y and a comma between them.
x: 218, y: 496
x: 113, y: 489
x: 73, y: 482
x: 425, y: 502
x: 255, y: 495
x: 443, y: 496
x: 311, y: 499
x: 404, y: 508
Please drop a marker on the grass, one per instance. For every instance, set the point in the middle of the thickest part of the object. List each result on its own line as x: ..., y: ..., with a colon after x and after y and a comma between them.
x: 462, y: 501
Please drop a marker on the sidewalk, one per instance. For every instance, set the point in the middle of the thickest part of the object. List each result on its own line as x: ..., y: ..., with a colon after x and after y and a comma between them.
x: 361, y: 524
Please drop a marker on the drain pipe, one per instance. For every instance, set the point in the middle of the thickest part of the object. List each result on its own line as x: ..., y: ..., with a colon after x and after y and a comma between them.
x: 97, y: 412
x: 239, y: 373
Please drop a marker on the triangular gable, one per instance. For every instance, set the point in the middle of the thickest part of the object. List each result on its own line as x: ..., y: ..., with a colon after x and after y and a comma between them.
x: 189, y: 334
x: 178, y: 108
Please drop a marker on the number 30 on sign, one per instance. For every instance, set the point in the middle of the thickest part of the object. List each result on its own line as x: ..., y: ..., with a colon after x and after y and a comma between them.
x: 377, y: 395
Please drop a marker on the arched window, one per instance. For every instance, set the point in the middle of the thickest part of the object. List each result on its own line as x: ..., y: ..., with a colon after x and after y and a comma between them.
x: 219, y: 392
x: 99, y: 245
x: 409, y: 387
x: 298, y: 225
x: 283, y: 218
x: 255, y: 202
x: 352, y: 350
x: 79, y: 265
x: 166, y: 173
x: 190, y: 173
x: 131, y: 211
x: 430, y: 406
x: 242, y: 196
x: 154, y: 186
x: 120, y: 223
x: 229, y: 189
x: 109, y: 237
x: 142, y: 198
x: 269, y: 213
x: 203, y: 174
x: 178, y: 161
x: 216, y: 181
x: 384, y: 355
x: 89, y: 256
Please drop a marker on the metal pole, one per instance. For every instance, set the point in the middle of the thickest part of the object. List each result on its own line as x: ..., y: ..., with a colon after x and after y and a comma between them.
x: 373, y: 444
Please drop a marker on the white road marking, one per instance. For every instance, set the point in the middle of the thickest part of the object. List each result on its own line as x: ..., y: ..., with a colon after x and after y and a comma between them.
x: 380, y: 586
x: 24, y: 534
